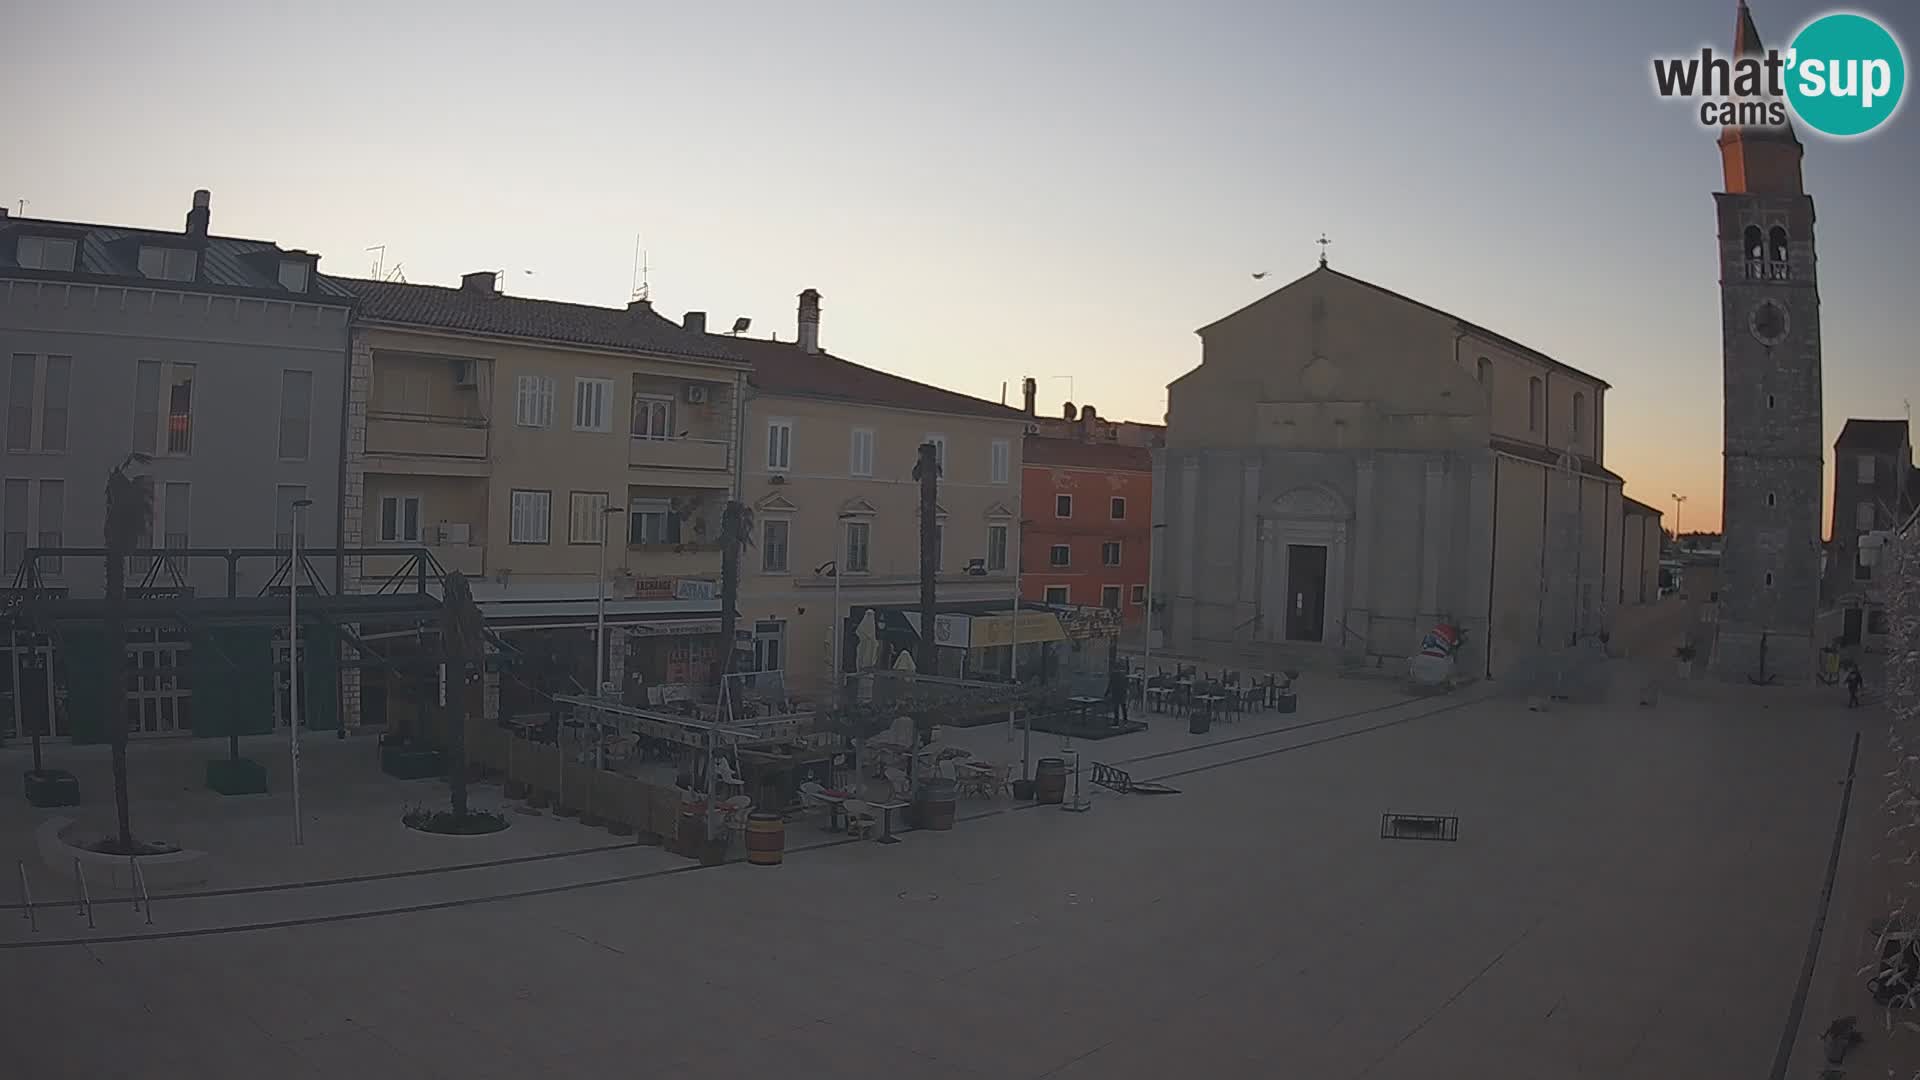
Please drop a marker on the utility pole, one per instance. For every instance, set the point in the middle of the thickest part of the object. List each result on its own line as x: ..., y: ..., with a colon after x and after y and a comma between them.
x: 1677, y: 500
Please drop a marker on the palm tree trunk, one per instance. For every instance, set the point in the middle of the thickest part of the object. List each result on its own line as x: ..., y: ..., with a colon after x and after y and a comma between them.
x: 730, y: 540
x: 457, y: 732
x: 116, y: 719
x: 929, y: 474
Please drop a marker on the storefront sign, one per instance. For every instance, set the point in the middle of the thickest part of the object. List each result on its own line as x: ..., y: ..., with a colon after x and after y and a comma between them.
x: 696, y: 589
x: 655, y: 588
x: 673, y: 626
x: 993, y: 631
x: 1090, y: 622
x: 953, y: 631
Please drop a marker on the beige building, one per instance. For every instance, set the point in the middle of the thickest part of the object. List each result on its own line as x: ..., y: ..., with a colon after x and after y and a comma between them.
x: 506, y: 436
x: 830, y: 448
x: 1348, y: 467
x: 1640, y: 541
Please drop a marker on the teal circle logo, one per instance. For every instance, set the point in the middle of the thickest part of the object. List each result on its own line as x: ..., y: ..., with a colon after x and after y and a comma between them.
x: 1845, y: 75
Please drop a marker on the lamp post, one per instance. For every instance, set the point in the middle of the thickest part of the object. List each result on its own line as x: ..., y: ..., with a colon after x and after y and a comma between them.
x: 293, y: 666
x: 839, y: 628
x: 1152, y: 539
x: 1677, y: 500
x: 600, y: 637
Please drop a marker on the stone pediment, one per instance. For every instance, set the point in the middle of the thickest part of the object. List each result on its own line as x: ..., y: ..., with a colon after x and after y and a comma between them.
x: 1309, y: 504
x: 998, y: 512
x: 775, y: 503
x: 858, y: 506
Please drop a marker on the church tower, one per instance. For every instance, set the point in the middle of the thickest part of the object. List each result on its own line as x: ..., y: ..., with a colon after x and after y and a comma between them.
x: 1774, y: 465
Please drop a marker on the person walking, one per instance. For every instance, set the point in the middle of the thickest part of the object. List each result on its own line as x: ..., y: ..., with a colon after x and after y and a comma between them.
x: 1854, y: 679
x: 1117, y: 692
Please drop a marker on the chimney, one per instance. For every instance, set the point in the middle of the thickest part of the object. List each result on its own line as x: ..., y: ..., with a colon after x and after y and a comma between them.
x: 695, y: 322
x: 810, y: 320
x: 1066, y: 411
x: 640, y: 304
x: 480, y: 281
x: 3, y: 213
x: 1029, y: 389
x: 198, y: 217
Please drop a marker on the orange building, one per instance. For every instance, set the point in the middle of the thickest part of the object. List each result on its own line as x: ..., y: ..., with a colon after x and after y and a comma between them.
x: 1088, y: 509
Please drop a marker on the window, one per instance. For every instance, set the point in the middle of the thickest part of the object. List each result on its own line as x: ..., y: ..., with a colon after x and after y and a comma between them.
x: 1863, y: 517
x: 1110, y: 597
x: 296, y: 414
x: 586, y: 517
x: 293, y: 275
x: 773, y: 545
x: 284, y: 497
x: 779, y: 445
x: 13, y: 520
x: 1117, y: 508
x: 590, y: 398
x: 1140, y: 595
x: 180, y: 409
x: 45, y: 253
x: 1861, y: 571
x: 1769, y: 401
x: 1063, y: 506
x: 20, y: 378
x: 167, y: 264
x: 176, y: 509
x: 1060, y: 555
x: 1769, y: 498
x: 1865, y: 467
x: 400, y: 519
x: 939, y: 450
x: 652, y: 521
x: 769, y: 641
x: 1534, y: 388
x: 533, y: 401
x: 1002, y: 460
x: 860, y: 455
x: 652, y: 417
x: 1579, y: 409
x: 53, y: 406
x: 1769, y: 581
x: 1058, y: 594
x: 996, y: 547
x: 1110, y: 553
x: 859, y: 534
x: 146, y: 405
x: 1877, y: 621
x: 48, y: 531
x: 530, y: 517
x: 1483, y: 373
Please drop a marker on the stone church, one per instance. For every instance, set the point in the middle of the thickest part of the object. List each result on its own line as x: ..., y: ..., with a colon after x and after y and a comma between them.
x: 1774, y: 461
x: 1348, y: 467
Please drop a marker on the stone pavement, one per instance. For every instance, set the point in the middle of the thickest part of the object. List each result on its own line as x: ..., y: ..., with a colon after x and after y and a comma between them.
x: 1630, y: 896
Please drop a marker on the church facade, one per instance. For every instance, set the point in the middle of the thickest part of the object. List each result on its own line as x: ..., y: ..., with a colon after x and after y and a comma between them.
x: 1348, y: 467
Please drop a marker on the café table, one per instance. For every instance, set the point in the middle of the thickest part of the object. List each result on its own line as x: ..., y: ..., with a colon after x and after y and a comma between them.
x: 886, y: 821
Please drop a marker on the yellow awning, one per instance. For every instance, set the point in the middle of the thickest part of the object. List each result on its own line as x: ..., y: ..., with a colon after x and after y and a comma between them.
x: 992, y: 631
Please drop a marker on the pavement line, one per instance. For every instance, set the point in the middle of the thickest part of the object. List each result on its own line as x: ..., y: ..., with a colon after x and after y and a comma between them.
x: 1309, y: 743
x: 1275, y: 731
x: 1798, y: 1010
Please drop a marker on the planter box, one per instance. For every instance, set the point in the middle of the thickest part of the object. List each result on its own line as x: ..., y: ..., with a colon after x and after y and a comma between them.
x: 412, y: 763
x: 237, y: 777
x: 52, y: 787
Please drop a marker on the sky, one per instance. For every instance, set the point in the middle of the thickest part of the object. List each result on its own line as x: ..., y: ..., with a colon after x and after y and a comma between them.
x: 982, y: 192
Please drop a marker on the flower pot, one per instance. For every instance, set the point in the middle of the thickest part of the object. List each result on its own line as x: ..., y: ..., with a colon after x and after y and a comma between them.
x: 51, y: 787
x: 1022, y: 790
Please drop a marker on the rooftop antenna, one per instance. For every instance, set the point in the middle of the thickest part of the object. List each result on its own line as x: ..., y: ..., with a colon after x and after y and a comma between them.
x: 379, y: 256
x: 638, y: 286
x: 398, y: 273
x: 23, y: 207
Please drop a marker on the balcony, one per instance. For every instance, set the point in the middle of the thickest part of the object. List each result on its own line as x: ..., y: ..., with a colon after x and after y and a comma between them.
x: 672, y: 560
x: 701, y: 462
x: 433, y: 445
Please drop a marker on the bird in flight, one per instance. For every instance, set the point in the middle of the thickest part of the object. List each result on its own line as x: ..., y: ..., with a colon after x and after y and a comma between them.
x: 1260, y: 275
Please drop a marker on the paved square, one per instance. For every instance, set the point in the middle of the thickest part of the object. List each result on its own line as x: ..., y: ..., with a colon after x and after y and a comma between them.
x: 1631, y: 896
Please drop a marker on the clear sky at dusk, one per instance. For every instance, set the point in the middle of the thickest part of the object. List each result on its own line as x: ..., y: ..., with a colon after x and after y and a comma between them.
x: 992, y: 190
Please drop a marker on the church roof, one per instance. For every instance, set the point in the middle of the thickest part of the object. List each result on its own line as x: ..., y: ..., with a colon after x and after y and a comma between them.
x: 1462, y: 324
x: 1545, y: 456
x: 1635, y: 506
x: 1881, y: 436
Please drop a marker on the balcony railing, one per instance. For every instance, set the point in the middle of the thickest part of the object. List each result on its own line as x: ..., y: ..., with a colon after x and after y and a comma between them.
x: 705, y: 455
x: 419, y: 435
x: 1768, y: 270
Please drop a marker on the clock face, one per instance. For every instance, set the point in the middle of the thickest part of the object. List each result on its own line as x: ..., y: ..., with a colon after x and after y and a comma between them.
x: 1768, y: 322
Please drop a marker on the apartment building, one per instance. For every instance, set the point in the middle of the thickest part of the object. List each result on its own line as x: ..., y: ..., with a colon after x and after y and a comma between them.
x: 528, y: 443
x: 828, y: 474
x: 222, y: 359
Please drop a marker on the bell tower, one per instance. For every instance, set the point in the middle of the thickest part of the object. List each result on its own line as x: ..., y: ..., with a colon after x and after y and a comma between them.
x: 1774, y: 464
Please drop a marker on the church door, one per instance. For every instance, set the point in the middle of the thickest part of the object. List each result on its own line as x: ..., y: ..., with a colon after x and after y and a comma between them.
x: 1306, y: 591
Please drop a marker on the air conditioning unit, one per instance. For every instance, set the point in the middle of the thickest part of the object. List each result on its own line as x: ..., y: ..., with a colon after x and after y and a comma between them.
x: 453, y: 534
x: 466, y: 374
x: 696, y: 394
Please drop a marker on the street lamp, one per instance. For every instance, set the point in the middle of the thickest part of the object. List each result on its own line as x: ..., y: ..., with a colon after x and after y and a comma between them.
x: 600, y: 636
x: 1152, y: 537
x: 839, y: 628
x: 293, y: 665
x: 1677, y: 500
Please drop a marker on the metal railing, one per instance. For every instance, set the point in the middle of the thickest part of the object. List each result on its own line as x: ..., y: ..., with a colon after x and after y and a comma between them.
x: 26, y: 899
x: 80, y: 890
x: 141, y: 901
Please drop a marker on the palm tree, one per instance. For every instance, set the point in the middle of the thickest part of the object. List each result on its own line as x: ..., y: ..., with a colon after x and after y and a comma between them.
x: 129, y: 516
x: 736, y: 532
x: 461, y: 636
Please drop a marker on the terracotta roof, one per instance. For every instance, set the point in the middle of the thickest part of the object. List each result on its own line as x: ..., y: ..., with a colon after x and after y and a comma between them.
x: 1534, y: 452
x: 635, y: 329
x: 1470, y: 327
x: 110, y: 254
x: 1635, y: 506
x: 783, y: 368
x: 1074, y: 454
x: 1886, y: 436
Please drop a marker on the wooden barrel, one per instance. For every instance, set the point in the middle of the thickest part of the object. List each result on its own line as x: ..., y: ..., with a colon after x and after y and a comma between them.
x: 937, y: 800
x: 766, y: 839
x: 1050, y: 781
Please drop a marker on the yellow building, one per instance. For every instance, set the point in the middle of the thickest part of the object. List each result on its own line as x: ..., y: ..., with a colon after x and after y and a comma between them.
x: 829, y: 450
x: 508, y: 437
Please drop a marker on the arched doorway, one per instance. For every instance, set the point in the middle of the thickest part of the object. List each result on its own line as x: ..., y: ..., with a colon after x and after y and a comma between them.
x: 1303, y: 562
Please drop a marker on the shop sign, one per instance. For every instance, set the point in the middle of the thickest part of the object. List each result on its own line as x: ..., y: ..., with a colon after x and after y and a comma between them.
x: 993, y: 631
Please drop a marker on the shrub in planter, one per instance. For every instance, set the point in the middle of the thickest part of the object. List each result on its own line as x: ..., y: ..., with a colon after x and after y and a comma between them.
x: 447, y: 823
x: 237, y: 776
x: 51, y: 787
